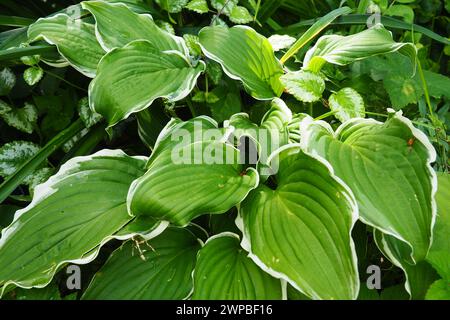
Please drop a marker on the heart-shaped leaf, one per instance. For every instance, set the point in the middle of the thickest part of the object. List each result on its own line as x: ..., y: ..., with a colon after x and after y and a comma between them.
x: 129, y: 79
x: 387, y: 166
x: 245, y: 55
x: 304, y: 85
x: 155, y: 270
x: 299, y: 230
x: 224, y: 272
x: 168, y: 191
x: 75, y: 211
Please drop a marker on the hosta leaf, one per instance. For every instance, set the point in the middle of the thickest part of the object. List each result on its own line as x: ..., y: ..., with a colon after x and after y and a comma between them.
x: 439, y: 255
x: 280, y: 42
x: 162, y: 271
x: 129, y: 79
x: 116, y: 26
x: 418, y: 276
x: 342, y: 50
x: 347, y: 103
x: 387, y: 166
x: 300, y: 230
x: 304, y: 85
x: 240, y: 14
x: 224, y: 272
x: 75, y: 41
x: 23, y: 119
x: 33, y: 75
x: 75, y: 211
x: 439, y: 290
x: 271, y: 134
x: 168, y: 192
x: 14, y: 154
x: 199, y: 6
x: 7, y: 81
x: 244, y: 55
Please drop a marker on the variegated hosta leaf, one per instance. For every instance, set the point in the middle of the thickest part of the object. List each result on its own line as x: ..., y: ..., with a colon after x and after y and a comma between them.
x: 129, y: 79
x: 169, y: 137
x: 305, y: 86
x: 342, y: 50
x: 387, y: 166
x: 225, y: 272
x: 245, y: 55
x: 347, y: 103
x: 418, y: 276
x: 75, y: 211
x: 299, y: 230
x: 194, y: 148
x: 439, y: 255
x: 155, y: 270
x: 116, y: 26
x: 75, y: 41
x: 270, y: 135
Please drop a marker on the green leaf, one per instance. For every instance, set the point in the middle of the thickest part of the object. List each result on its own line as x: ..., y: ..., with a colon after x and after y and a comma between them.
x: 199, y: 6
x: 23, y: 119
x: 220, y: 181
x: 314, y: 30
x: 387, y: 166
x: 240, y: 15
x: 129, y: 79
x: 439, y: 290
x: 347, y: 103
x: 229, y: 101
x: 14, y: 154
x: 244, y: 55
x: 10, y: 184
x: 224, y: 272
x: 172, y: 6
x: 406, y: 12
x: 7, y: 81
x: 161, y: 271
x: 299, y: 230
x: 305, y: 86
x: 342, y: 50
x: 280, y: 42
x: 88, y: 117
x: 439, y: 255
x: 33, y: 75
x: 418, y: 276
x: 224, y: 6
x: 74, y: 39
x: 192, y: 44
x: 76, y: 211
x: 116, y: 26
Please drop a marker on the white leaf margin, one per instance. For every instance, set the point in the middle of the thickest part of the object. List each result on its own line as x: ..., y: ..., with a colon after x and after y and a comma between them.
x: 190, y: 83
x: 246, y: 242
x: 45, y: 190
x: 305, y: 134
x: 85, y: 71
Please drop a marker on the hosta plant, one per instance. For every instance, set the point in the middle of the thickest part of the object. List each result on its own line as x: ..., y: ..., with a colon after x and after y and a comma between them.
x: 230, y: 208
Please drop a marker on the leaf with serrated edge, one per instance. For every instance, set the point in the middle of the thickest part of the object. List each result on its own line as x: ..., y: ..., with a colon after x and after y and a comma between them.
x: 388, y: 167
x: 305, y: 86
x: 347, y: 103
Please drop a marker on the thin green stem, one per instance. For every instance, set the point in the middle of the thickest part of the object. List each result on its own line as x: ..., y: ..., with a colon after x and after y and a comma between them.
x: 54, y: 75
